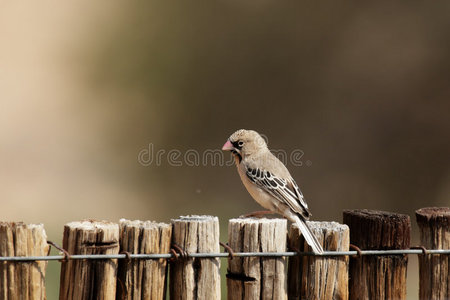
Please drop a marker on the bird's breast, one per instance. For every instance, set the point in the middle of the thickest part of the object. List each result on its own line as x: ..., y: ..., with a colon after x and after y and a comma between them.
x: 259, y: 195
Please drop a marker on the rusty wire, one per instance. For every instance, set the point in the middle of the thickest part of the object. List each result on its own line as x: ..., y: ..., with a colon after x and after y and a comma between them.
x: 420, y: 251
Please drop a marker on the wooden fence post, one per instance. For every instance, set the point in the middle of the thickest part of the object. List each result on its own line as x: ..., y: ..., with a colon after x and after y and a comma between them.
x: 196, y: 278
x: 22, y: 280
x: 314, y: 277
x: 434, y: 225
x: 378, y: 277
x: 89, y: 279
x: 257, y: 277
x: 143, y: 279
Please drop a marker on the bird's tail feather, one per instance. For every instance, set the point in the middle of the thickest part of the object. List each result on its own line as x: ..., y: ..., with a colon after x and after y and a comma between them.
x: 309, y: 236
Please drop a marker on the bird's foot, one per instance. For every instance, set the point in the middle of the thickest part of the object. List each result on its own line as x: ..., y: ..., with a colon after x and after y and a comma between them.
x: 257, y: 214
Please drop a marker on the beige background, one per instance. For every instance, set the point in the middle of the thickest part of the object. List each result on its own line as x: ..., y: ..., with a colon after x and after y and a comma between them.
x: 362, y: 90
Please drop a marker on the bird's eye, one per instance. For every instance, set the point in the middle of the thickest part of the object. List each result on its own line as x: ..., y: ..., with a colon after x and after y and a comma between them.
x: 240, y: 143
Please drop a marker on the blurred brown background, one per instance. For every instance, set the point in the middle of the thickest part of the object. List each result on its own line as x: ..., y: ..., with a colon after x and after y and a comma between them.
x: 362, y: 89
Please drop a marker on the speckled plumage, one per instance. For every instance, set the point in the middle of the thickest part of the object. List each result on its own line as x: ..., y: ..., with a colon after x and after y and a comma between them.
x: 269, y: 182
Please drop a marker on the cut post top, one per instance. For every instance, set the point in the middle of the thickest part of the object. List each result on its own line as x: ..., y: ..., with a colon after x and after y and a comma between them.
x: 143, y: 224
x: 92, y: 224
x: 329, y: 226
x: 257, y: 220
x: 196, y: 218
x: 374, y: 229
x: 434, y: 214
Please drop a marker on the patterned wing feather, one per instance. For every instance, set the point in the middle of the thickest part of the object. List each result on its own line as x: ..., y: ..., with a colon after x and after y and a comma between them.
x: 285, y: 190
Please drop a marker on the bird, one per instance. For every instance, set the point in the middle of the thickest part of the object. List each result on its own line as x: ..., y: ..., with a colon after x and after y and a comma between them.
x: 269, y: 182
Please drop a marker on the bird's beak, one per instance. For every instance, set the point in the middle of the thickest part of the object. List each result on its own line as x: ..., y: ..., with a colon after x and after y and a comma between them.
x: 228, y: 146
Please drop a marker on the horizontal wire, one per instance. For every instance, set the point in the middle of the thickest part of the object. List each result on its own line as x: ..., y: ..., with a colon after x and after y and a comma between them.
x: 221, y: 254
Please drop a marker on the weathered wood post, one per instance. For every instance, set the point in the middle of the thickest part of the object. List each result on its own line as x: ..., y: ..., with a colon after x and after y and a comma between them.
x: 378, y: 277
x: 257, y: 277
x: 89, y: 279
x: 314, y: 277
x: 22, y: 280
x: 434, y: 270
x: 143, y: 279
x: 195, y: 278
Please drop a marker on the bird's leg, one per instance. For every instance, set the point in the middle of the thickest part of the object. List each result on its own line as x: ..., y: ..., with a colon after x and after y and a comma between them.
x: 257, y: 214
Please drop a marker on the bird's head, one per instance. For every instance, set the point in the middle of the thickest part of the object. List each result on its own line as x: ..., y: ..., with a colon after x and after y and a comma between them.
x: 245, y: 143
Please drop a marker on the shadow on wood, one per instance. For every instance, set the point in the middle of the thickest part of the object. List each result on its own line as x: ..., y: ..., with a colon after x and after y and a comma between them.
x: 378, y: 277
x: 434, y: 225
x: 257, y: 277
x: 22, y: 280
x: 137, y: 278
x: 314, y: 277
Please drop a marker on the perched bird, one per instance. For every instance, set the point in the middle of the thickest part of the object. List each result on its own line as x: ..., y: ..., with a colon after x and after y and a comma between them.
x: 268, y: 181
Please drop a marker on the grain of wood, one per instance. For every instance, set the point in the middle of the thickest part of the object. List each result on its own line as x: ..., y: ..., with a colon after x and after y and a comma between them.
x: 378, y: 277
x: 313, y: 277
x: 137, y: 278
x: 22, y: 280
x: 257, y: 277
x: 196, y: 278
x: 89, y: 279
x: 434, y: 225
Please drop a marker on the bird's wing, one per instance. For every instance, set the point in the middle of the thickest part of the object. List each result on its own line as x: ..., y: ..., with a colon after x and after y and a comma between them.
x: 285, y: 190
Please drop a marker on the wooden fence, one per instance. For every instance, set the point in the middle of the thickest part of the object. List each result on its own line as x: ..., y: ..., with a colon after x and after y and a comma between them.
x: 265, y: 259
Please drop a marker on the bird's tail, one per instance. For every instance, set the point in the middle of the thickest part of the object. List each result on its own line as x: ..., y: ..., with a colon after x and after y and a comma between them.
x: 309, y: 235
